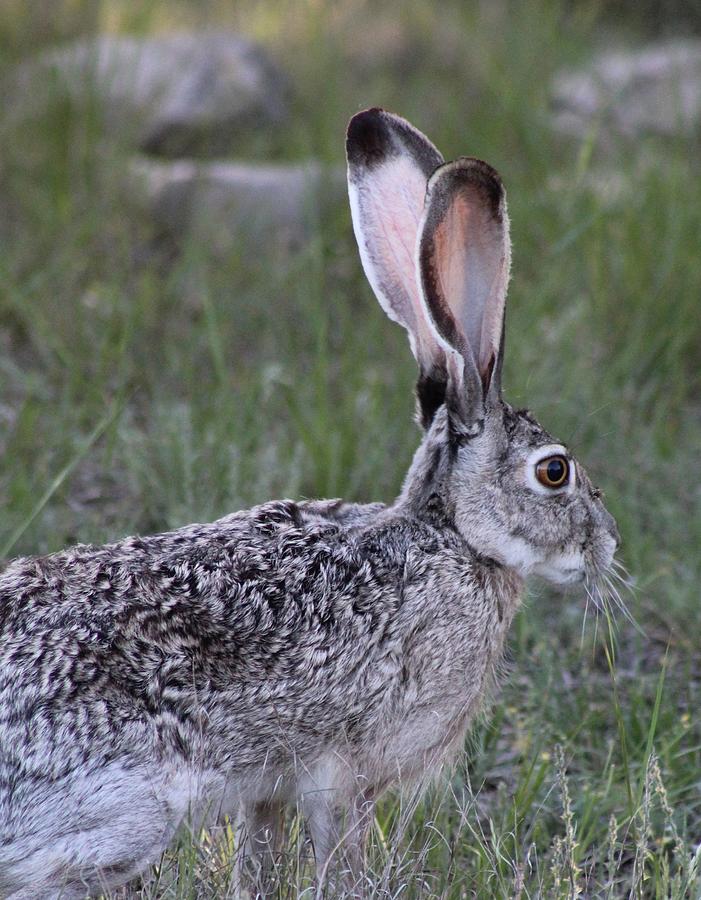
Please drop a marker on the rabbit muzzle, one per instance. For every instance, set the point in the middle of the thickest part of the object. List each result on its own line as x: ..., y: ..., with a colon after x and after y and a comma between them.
x: 575, y: 566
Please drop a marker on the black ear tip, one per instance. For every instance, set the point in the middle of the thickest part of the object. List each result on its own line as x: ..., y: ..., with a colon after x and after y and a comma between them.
x: 485, y: 177
x: 489, y: 180
x: 375, y: 135
x: 367, y: 138
x: 471, y: 176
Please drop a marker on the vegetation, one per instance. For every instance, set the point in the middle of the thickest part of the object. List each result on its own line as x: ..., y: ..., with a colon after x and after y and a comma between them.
x: 140, y: 390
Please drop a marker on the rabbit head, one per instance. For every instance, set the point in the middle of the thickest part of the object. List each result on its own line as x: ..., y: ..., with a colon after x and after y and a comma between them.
x: 434, y: 243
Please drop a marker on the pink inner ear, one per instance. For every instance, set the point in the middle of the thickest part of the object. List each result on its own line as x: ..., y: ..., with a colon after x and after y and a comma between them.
x: 493, y: 321
x: 470, y: 264
x: 397, y: 203
x: 391, y: 201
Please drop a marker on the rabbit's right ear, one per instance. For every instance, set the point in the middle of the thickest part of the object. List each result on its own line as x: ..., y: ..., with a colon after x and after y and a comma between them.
x: 389, y: 164
x: 464, y: 255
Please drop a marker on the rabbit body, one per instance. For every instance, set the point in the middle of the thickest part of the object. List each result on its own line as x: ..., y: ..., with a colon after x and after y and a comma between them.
x: 298, y: 650
x: 314, y: 652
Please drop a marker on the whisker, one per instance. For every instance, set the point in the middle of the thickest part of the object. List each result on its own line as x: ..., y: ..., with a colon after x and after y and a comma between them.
x: 584, y: 620
x: 614, y: 594
x: 619, y: 571
x: 594, y: 594
x: 590, y: 594
x: 605, y: 596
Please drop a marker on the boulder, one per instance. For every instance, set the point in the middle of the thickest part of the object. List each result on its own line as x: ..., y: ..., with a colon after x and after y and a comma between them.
x: 178, y: 94
x: 653, y: 90
x: 228, y: 207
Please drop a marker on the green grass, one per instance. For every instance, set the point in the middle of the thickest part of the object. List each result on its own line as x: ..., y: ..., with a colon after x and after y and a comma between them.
x: 136, y: 396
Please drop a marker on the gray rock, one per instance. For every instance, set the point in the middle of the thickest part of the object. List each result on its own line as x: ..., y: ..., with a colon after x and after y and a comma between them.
x: 654, y: 90
x: 224, y: 207
x: 173, y: 95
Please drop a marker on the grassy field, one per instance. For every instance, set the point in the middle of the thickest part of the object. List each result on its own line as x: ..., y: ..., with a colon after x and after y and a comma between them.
x: 139, y: 394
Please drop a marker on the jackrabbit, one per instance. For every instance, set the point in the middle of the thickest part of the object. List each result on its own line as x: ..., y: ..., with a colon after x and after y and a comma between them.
x: 312, y: 652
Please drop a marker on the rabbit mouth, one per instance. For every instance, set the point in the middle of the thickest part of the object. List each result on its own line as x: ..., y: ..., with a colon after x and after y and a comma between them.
x: 563, y: 570
x: 603, y: 579
x: 561, y: 576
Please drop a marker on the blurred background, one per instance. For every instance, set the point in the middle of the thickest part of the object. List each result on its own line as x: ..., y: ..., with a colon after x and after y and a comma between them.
x: 185, y: 330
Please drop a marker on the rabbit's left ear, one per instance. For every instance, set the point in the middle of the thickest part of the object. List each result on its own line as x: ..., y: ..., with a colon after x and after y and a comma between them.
x: 389, y: 164
x: 464, y: 256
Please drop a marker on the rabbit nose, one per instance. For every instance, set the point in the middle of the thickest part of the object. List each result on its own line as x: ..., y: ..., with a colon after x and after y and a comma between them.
x: 616, y: 535
x: 610, y: 524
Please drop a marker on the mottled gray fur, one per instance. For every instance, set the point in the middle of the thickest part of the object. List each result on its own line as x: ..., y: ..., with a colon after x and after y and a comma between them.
x: 313, y: 652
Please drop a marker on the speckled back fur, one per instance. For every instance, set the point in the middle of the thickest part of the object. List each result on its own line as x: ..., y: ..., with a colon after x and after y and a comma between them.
x: 257, y: 622
x: 256, y: 648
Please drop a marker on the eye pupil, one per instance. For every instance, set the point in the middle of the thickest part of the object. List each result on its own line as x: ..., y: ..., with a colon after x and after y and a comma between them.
x: 556, y: 470
x: 553, y: 472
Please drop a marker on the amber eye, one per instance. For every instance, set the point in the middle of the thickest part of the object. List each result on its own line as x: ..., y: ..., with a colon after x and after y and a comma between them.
x: 553, y: 471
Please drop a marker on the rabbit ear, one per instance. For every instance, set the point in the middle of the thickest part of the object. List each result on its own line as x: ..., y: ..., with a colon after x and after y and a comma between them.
x: 389, y: 164
x: 464, y: 257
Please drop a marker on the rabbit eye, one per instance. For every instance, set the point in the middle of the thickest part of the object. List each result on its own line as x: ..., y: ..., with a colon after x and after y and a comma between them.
x: 553, y: 471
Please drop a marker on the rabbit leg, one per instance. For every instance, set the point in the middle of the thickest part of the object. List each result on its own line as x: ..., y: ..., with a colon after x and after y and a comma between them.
x: 323, y: 819
x: 339, y: 846
x: 83, y: 865
x: 331, y: 793
x: 263, y: 831
x: 93, y: 832
x: 358, y: 821
x: 75, y: 891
